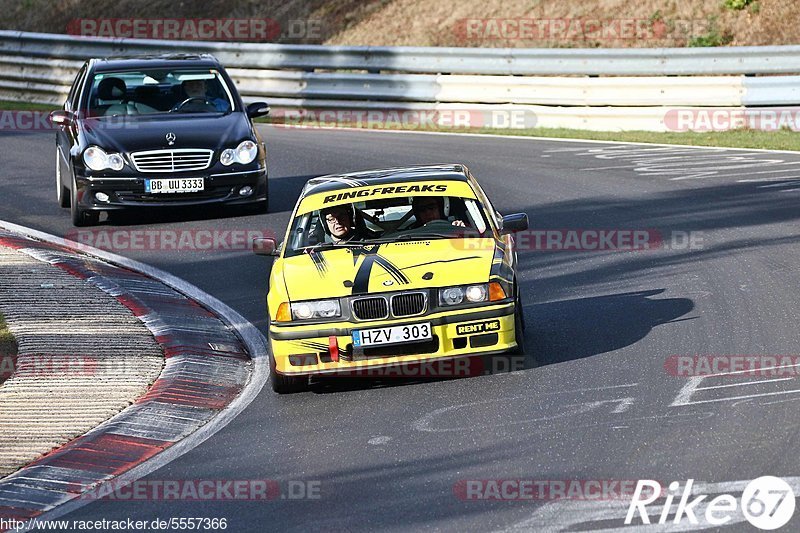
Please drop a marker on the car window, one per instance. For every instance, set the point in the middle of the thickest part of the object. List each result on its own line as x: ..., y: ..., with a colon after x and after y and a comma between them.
x: 483, y: 197
x: 388, y: 219
x: 75, y: 90
x: 158, y: 91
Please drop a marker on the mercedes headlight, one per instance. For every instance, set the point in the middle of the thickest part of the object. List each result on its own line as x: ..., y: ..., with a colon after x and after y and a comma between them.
x: 245, y: 153
x: 315, y: 310
x: 97, y: 159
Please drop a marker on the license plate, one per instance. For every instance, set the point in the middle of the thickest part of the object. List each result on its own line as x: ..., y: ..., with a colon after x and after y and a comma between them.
x: 393, y: 335
x: 173, y: 185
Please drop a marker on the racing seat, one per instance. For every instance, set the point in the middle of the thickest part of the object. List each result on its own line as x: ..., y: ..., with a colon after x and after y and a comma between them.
x: 112, y: 97
x: 149, y: 100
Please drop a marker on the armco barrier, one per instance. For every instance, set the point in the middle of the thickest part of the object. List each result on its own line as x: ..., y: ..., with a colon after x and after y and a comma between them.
x: 508, y: 61
x: 599, y: 89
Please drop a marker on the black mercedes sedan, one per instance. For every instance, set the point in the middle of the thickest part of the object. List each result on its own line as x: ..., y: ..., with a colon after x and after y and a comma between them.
x: 157, y: 131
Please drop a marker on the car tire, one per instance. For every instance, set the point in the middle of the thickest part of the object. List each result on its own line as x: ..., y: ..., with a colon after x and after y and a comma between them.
x: 62, y: 196
x: 80, y: 217
x: 285, y: 384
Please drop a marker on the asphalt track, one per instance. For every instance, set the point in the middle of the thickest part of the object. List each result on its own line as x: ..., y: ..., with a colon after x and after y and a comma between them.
x: 594, y: 401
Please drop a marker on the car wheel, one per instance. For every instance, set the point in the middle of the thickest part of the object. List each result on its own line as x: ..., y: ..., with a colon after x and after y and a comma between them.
x: 80, y: 217
x: 61, y: 196
x: 285, y: 384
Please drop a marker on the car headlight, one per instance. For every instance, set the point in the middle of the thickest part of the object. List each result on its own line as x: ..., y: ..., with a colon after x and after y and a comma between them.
x: 228, y: 157
x: 245, y: 153
x: 451, y: 296
x: 316, y: 309
x: 97, y: 159
x: 465, y: 294
x: 476, y: 293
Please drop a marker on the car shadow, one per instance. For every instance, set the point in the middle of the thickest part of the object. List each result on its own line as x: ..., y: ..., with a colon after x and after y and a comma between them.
x: 565, y: 330
x: 555, y: 332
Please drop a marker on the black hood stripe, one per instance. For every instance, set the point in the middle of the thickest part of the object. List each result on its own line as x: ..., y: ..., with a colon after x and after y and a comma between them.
x: 370, y: 253
x: 320, y: 263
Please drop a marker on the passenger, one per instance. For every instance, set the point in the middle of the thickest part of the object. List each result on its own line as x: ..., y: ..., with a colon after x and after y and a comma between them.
x: 430, y: 208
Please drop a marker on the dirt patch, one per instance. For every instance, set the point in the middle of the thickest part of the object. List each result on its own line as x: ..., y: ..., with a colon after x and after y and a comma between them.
x: 551, y: 23
x: 573, y: 24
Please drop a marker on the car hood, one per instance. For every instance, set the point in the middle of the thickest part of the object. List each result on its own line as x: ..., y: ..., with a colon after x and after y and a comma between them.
x: 191, y: 131
x: 338, y: 272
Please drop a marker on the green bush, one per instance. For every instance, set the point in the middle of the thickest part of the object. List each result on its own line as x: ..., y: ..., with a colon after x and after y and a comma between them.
x: 713, y: 37
x: 736, y: 4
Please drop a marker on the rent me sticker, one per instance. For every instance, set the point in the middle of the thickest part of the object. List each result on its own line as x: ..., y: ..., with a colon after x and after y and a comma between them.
x: 478, y: 327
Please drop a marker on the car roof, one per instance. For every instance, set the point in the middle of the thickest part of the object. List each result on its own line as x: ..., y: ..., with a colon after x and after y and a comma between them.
x: 105, y: 64
x: 334, y: 182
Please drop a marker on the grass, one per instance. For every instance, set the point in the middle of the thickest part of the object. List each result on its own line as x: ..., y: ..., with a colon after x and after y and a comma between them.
x: 6, y: 105
x: 742, y: 138
x: 8, y: 351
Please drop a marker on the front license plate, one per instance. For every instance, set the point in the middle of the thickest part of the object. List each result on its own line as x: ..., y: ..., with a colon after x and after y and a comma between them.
x: 173, y: 185
x: 393, y: 335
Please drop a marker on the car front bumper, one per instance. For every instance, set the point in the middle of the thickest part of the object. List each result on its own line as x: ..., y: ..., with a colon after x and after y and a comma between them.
x: 305, y: 350
x: 124, y: 192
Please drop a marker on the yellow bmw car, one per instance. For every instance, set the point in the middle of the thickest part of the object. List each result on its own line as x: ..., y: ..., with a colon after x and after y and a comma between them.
x: 387, y: 268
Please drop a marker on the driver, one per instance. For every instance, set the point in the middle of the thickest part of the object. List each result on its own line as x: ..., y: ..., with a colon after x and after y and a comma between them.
x: 339, y: 224
x: 199, y: 89
x: 428, y: 209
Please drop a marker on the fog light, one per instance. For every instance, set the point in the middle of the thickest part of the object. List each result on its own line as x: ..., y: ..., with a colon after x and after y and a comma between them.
x: 246, y: 191
x: 101, y: 197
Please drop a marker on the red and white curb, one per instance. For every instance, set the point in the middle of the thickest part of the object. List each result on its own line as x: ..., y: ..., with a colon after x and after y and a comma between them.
x: 216, y: 363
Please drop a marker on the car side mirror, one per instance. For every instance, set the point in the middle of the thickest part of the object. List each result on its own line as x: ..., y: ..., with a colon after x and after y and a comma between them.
x: 514, y: 223
x: 265, y: 246
x: 61, y: 117
x: 257, y: 109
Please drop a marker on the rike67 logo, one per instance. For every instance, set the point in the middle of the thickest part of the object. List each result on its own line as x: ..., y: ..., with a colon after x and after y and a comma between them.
x: 767, y: 503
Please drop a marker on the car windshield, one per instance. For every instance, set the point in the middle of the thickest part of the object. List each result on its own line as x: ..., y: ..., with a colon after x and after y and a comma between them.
x: 387, y: 220
x: 156, y: 91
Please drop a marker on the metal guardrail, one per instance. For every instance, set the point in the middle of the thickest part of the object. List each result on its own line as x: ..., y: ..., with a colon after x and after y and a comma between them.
x: 508, y: 61
x: 589, y: 88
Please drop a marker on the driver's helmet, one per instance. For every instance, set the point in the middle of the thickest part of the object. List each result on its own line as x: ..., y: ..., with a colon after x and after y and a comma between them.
x: 444, y: 204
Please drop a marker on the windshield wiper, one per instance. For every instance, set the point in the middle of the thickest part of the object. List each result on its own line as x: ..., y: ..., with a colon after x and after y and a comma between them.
x: 424, y: 236
x: 411, y: 237
x: 329, y: 245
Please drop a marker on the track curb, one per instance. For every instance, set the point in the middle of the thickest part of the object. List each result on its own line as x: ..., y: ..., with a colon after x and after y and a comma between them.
x: 189, y: 402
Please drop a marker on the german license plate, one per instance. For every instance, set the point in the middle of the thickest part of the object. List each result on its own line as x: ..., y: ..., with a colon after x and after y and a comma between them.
x: 392, y: 335
x: 173, y: 185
